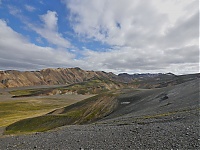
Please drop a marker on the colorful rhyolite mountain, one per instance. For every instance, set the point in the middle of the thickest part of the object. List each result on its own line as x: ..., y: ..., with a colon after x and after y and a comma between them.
x: 12, y: 78
x: 66, y: 76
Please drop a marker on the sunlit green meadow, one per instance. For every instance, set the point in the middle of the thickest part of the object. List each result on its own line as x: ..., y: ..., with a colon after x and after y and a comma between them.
x: 16, y: 109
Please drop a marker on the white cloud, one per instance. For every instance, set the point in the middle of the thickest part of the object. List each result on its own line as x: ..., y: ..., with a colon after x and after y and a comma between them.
x: 176, y: 9
x: 30, y: 8
x: 23, y: 55
x: 116, y: 23
x: 14, y: 10
x: 149, y: 35
x: 50, y: 20
x: 126, y: 22
x: 183, y: 33
x: 16, y: 52
x: 126, y: 59
x: 49, y: 30
x: 39, y: 40
x: 144, y: 36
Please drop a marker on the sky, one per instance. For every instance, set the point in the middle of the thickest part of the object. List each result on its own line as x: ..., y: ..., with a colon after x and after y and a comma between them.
x: 132, y: 36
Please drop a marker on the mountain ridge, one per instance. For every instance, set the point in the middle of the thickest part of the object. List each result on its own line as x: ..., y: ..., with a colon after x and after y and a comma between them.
x: 49, y: 76
x: 67, y: 76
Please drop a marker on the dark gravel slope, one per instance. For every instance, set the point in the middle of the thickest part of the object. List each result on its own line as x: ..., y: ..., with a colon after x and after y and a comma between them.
x: 158, y: 119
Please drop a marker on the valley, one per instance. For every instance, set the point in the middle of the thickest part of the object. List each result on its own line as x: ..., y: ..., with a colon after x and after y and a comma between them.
x: 99, y: 75
x: 15, y: 109
x: 103, y: 113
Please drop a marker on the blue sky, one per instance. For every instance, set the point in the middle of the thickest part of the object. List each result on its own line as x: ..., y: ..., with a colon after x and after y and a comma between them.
x: 134, y: 36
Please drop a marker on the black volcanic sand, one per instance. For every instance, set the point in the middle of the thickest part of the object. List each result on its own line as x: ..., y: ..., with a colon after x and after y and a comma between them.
x: 165, y: 118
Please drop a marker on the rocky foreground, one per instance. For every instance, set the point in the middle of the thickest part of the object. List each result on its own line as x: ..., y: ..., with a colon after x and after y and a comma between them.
x: 175, y: 132
x: 162, y: 119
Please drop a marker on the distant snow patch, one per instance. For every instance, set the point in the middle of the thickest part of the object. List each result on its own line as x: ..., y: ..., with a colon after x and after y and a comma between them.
x: 125, y: 103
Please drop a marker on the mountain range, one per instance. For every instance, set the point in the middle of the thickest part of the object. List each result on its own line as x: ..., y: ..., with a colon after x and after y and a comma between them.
x: 67, y: 76
x: 12, y: 78
x: 127, y: 110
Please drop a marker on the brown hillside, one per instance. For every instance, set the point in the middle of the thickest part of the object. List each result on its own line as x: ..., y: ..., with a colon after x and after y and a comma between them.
x: 14, y: 78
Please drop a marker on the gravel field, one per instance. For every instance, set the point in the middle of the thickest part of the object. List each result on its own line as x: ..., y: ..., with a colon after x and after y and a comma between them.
x: 151, y: 121
x: 179, y: 133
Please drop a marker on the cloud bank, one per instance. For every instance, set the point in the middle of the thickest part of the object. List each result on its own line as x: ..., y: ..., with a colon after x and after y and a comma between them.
x: 19, y: 53
x: 143, y: 36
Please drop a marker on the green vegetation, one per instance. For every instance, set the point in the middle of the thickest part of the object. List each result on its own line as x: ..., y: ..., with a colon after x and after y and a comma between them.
x: 93, y: 86
x: 166, y: 114
x: 27, y: 92
x: 15, y: 110
x: 37, y: 124
x: 83, y: 112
